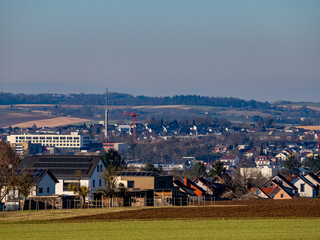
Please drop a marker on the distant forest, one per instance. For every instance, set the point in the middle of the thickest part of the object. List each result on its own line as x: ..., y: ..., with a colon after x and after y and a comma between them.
x: 122, y: 99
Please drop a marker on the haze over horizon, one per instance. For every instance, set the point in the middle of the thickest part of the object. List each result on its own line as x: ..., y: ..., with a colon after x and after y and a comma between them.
x: 262, y: 50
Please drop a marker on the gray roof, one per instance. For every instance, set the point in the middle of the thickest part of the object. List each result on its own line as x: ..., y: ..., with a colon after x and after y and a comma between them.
x: 38, y: 174
x: 137, y: 174
x: 62, y: 166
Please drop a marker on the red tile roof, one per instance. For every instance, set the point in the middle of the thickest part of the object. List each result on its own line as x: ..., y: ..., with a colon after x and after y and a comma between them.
x: 268, y: 190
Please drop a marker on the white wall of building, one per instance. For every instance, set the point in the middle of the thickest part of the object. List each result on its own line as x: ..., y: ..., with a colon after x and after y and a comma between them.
x: 265, y: 171
x: 96, y: 181
x: 48, y: 186
x: 308, y: 190
x: 73, y: 140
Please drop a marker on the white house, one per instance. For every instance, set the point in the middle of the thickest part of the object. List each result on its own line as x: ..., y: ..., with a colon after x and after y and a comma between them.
x: 66, y: 169
x: 305, y: 188
x: 43, y: 182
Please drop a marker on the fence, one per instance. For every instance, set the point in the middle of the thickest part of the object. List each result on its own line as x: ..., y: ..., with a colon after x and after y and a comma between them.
x: 143, y: 202
x: 48, y: 204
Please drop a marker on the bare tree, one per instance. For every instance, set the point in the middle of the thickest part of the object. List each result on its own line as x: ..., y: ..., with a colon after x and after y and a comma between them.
x: 8, y: 155
x: 23, y: 182
x: 111, y: 186
x: 9, y: 161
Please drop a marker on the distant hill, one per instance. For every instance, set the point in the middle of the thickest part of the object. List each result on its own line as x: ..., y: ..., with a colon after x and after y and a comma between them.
x: 128, y: 100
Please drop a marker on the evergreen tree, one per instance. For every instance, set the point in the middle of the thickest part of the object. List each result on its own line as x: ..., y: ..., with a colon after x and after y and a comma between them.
x: 312, y: 164
x: 197, y: 171
x: 292, y: 165
x: 218, y: 169
x: 113, y: 158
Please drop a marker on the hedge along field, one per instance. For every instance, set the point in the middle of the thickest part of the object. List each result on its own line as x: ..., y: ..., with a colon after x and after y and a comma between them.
x: 270, y: 228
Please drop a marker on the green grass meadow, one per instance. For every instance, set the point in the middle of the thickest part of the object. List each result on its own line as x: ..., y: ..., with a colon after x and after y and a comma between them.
x: 305, y: 228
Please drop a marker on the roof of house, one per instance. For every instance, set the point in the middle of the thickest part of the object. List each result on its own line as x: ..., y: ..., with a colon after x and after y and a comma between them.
x: 228, y: 157
x: 313, y: 176
x: 137, y: 174
x: 261, y: 158
x: 38, y: 174
x: 268, y: 190
x: 283, y: 179
x: 305, y: 180
x: 186, y: 189
x: 189, y: 182
x: 62, y: 166
x: 258, y: 189
x: 276, y: 190
x: 206, y: 183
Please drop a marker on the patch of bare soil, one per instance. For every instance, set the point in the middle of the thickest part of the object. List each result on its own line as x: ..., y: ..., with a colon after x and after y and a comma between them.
x: 230, y: 209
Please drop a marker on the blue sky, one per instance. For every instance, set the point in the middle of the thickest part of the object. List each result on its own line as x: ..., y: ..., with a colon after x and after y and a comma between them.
x: 264, y: 50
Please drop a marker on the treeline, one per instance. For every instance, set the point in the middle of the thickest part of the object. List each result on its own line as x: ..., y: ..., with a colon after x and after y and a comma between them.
x: 127, y: 100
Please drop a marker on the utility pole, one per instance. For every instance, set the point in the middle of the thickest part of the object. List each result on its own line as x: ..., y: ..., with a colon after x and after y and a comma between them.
x: 106, y: 116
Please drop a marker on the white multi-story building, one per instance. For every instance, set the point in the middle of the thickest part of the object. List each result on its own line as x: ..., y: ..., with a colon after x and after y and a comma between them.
x: 73, y: 140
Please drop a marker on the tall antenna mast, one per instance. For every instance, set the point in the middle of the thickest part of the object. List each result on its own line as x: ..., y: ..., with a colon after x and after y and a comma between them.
x: 106, y: 115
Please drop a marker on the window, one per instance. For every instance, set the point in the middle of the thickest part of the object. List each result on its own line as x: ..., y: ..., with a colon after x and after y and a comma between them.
x: 100, y: 182
x: 48, y: 189
x: 41, y: 190
x: 302, y: 187
x: 282, y: 196
x: 130, y: 184
x: 93, y: 183
x: 67, y: 185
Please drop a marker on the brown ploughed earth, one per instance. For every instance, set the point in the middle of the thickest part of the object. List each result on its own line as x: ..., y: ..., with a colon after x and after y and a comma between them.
x: 226, y: 209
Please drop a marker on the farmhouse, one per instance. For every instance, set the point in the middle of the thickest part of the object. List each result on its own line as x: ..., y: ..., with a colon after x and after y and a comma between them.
x: 43, y: 182
x: 66, y: 169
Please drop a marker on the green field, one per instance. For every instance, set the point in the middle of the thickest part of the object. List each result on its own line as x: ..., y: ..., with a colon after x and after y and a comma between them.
x: 305, y: 228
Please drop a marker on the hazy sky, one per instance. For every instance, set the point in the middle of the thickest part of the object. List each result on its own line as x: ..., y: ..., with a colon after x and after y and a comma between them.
x: 264, y: 50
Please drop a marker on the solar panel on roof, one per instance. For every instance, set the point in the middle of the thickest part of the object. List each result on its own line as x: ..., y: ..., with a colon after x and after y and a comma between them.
x: 37, y: 172
x: 65, y: 160
x: 63, y: 165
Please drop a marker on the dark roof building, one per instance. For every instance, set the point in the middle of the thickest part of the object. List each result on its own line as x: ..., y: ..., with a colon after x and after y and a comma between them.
x: 63, y: 166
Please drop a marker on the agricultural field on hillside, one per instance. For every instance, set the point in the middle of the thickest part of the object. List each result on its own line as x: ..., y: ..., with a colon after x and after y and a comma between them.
x: 314, y: 128
x: 52, y: 122
x: 11, y: 119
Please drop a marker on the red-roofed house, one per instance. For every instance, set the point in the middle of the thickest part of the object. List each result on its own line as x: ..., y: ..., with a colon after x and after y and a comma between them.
x: 197, y: 189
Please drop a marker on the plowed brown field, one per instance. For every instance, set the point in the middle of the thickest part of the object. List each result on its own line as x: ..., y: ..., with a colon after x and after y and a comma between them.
x: 228, y: 209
